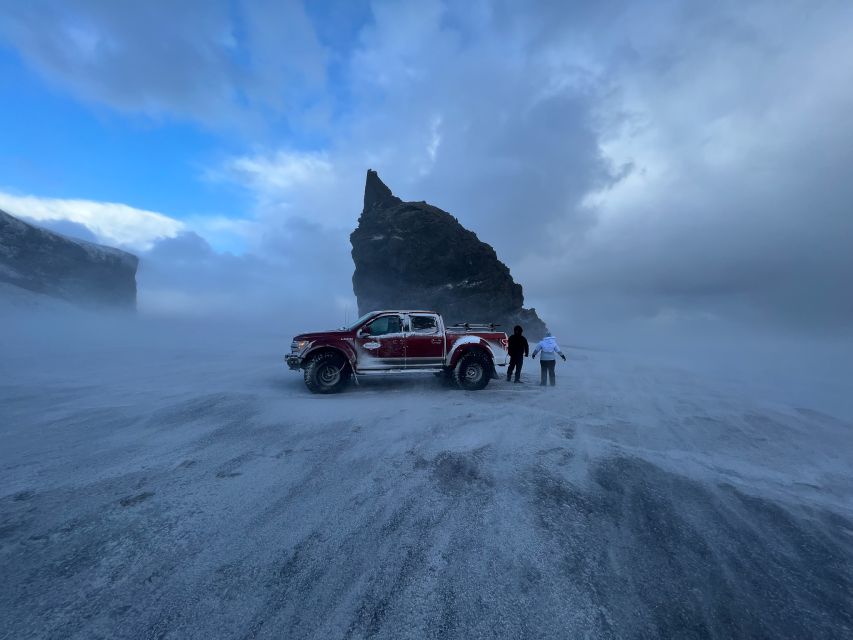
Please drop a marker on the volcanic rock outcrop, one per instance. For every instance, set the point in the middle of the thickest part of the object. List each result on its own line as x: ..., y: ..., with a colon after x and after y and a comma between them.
x: 84, y: 273
x: 412, y: 255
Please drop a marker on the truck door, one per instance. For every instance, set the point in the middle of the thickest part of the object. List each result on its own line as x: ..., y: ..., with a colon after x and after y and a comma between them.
x: 424, y: 342
x: 381, y: 343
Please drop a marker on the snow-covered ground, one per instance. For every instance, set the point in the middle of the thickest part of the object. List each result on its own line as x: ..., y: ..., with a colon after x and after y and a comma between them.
x: 180, y: 482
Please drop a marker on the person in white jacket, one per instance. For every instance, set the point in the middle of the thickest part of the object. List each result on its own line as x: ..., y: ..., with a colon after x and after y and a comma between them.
x: 550, y: 350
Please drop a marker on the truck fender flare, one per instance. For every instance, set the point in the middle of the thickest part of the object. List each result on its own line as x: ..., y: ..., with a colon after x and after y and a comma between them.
x: 466, y: 344
x: 342, y: 349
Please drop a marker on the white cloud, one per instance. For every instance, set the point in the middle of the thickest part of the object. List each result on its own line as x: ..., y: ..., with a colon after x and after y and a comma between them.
x: 277, y: 173
x: 111, y: 223
x: 288, y: 188
x: 432, y: 145
x: 233, y: 235
x: 219, y: 62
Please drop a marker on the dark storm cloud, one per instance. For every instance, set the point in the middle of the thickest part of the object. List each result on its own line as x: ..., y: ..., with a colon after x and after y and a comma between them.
x: 292, y: 277
x: 686, y: 162
x: 737, y: 206
x: 184, y: 274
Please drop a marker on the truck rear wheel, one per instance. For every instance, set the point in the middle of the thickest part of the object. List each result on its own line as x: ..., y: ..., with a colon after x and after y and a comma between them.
x: 473, y: 371
x: 327, y: 373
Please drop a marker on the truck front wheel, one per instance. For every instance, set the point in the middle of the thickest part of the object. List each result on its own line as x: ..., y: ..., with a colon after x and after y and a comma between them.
x: 473, y: 371
x: 327, y: 373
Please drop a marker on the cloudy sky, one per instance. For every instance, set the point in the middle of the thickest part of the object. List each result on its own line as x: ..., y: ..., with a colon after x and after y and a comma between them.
x: 663, y: 161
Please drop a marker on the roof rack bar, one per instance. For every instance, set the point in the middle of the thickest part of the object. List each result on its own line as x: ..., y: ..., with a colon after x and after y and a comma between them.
x: 475, y: 325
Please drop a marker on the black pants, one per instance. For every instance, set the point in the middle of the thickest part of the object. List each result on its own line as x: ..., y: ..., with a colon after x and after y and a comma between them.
x: 547, y: 368
x: 515, y: 363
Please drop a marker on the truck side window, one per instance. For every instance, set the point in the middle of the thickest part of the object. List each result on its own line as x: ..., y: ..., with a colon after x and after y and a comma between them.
x: 424, y: 324
x: 385, y: 325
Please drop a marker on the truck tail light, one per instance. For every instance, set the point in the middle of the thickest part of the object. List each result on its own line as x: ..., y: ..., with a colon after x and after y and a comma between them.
x: 505, y: 343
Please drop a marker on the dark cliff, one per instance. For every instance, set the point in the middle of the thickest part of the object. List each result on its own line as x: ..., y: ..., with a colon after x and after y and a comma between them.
x: 414, y: 255
x: 84, y: 273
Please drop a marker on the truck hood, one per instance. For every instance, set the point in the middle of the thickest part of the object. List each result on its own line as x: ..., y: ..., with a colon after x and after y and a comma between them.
x: 316, y: 335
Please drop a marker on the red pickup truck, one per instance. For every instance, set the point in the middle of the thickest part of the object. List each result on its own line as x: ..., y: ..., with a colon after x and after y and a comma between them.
x: 382, y: 342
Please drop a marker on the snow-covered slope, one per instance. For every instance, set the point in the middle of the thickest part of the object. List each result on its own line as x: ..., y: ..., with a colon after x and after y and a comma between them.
x: 48, y: 263
x: 181, y: 483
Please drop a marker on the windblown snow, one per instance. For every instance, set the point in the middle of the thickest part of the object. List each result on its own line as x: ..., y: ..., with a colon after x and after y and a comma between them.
x: 180, y: 482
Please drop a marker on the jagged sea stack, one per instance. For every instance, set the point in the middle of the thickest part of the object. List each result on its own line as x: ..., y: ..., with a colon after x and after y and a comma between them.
x: 43, y: 262
x: 413, y: 255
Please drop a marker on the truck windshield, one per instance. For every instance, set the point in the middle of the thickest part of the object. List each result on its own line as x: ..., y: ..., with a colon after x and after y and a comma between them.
x: 353, y: 325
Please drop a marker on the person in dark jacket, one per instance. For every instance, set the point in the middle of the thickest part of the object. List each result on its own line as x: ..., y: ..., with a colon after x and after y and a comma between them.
x: 518, y: 350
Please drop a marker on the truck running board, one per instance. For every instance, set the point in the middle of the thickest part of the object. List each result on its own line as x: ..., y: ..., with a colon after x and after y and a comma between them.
x: 398, y: 372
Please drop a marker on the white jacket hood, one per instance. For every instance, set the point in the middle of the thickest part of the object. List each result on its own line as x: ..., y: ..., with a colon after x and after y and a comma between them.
x: 548, y: 344
x: 549, y: 347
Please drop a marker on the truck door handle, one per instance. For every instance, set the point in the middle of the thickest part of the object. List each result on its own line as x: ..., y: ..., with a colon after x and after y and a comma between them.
x: 436, y: 340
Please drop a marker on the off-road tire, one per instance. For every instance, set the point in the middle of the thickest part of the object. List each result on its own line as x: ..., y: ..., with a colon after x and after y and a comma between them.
x: 473, y: 371
x: 327, y: 373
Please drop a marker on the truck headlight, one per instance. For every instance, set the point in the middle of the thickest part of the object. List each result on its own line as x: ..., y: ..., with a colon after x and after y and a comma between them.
x: 298, y: 345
